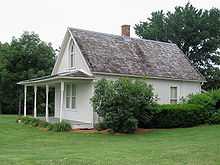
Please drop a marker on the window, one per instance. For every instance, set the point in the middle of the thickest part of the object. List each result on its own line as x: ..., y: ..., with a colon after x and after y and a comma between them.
x: 173, y: 95
x: 72, y: 60
x: 70, y: 96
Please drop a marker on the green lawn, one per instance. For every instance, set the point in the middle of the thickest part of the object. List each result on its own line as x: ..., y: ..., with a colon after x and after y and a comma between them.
x: 21, y: 144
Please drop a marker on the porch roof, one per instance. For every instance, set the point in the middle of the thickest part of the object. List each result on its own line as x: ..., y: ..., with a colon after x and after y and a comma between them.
x: 69, y: 75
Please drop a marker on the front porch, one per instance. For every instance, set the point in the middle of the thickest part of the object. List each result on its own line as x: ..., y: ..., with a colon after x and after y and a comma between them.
x: 61, y: 113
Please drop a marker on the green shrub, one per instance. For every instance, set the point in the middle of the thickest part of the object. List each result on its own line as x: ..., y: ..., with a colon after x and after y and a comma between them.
x: 130, y: 125
x: 26, y: 120
x: 34, y: 122
x: 215, y: 94
x: 100, y: 126
x: 57, y: 127
x: 43, y: 124
x: 148, y: 116
x: 215, y: 118
x: 209, y: 100
x: 203, y: 99
x: 179, y: 115
x: 121, y: 103
x: 60, y: 127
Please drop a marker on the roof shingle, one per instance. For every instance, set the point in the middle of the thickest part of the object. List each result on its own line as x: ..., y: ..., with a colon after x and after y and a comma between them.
x: 116, y: 54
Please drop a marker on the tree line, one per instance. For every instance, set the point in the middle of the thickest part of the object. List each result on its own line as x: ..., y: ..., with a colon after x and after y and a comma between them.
x: 195, y: 31
x: 23, y: 58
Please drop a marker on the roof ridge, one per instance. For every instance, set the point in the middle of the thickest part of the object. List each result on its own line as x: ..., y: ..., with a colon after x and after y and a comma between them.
x: 112, y: 53
x: 116, y: 35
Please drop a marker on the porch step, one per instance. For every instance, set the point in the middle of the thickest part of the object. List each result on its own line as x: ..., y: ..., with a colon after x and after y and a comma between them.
x: 74, y: 124
x: 81, y: 126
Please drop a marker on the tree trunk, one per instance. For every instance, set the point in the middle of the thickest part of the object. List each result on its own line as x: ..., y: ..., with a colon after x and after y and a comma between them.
x: 19, y: 104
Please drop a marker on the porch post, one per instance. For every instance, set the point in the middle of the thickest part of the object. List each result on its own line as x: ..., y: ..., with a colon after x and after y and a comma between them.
x: 25, y: 95
x: 61, y: 99
x: 47, y: 92
x: 35, y: 101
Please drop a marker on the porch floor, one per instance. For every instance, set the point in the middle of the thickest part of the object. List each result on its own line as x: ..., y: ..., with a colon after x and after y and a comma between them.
x: 74, y: 124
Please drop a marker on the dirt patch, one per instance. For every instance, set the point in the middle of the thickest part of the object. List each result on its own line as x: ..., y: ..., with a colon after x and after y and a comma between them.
x: 85, y: 130
x: 108, y: 131
x: 43, y: 129
x: 143, y: 130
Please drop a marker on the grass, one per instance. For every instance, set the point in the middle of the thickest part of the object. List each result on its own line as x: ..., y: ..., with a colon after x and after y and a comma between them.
x: 22, y: 145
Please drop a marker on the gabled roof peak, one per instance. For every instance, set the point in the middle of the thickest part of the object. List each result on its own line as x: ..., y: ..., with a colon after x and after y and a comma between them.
x: 109, y: 53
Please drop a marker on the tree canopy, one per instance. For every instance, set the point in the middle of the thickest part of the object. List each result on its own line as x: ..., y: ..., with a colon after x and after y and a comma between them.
x: 23, y: 58
x: 195, y: 31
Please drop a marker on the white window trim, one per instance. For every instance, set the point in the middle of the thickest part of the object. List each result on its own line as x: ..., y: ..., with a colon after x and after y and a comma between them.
x: 177, y: 95
x: 72, y: 54
x: 71, y: 96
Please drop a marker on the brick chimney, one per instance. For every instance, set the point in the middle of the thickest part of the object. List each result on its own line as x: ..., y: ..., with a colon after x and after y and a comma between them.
x: 125, y: 30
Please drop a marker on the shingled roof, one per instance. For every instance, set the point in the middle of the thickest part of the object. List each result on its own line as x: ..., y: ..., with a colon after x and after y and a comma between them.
x: 131, y: 56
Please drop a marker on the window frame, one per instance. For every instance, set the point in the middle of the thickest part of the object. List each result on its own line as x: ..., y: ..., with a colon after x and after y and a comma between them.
x: 172, y: 98
x: 70, y: 97
x: 72, y: 54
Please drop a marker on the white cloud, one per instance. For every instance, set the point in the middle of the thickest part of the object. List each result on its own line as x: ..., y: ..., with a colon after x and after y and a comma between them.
x: 50, y: 18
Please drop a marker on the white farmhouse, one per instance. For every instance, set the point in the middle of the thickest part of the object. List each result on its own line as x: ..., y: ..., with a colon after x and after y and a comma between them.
x: 87, y: 56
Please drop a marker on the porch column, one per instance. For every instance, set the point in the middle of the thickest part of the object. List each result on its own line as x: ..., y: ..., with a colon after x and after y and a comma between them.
x: 35, y: 101
x: 61, y: 99
x: 25, y: 95
x: 47, y: 92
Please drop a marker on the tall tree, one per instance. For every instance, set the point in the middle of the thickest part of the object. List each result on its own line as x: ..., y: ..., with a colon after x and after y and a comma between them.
x: 24, y: 58
x: 195, y: 31
x: 1, y: 68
